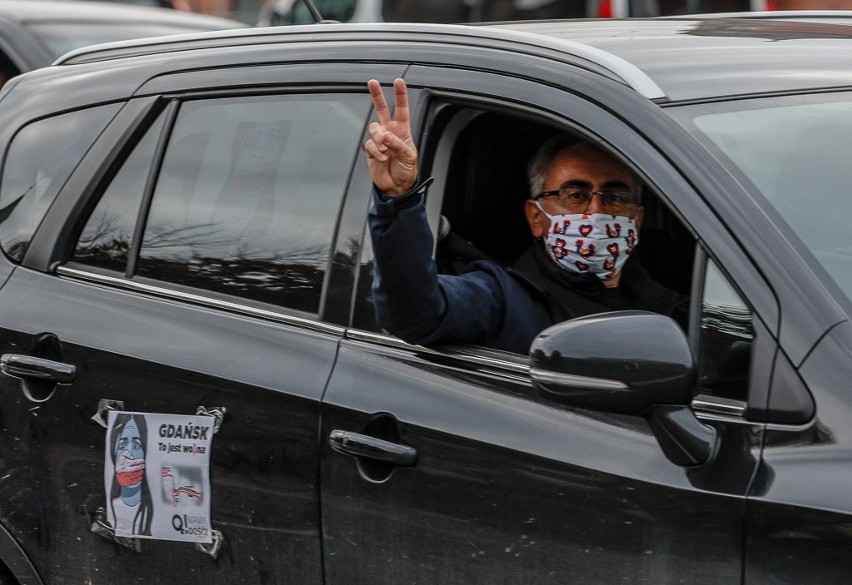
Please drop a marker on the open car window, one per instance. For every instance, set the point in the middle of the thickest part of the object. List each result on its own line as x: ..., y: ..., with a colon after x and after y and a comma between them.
x: 478, y: 158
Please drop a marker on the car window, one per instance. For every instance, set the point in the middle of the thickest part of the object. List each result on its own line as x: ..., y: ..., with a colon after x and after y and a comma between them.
x: 481, y: 184
x: 725, y: 340
x: 795, y: 152
x: 106, y: 238
x: 39, y: 161
x: 8, y: 69
x: 248, y: 195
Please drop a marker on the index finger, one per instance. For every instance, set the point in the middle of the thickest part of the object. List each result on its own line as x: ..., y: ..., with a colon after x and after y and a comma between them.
x: 379, y: 102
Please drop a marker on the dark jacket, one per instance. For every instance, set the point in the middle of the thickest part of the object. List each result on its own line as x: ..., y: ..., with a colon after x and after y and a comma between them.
x: 487, y: 304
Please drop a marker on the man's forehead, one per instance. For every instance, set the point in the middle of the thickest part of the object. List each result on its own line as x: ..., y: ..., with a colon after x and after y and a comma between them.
x: 590, y: 166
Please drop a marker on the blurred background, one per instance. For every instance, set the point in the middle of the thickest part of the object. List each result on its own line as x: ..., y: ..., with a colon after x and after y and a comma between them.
x: 274, y: 12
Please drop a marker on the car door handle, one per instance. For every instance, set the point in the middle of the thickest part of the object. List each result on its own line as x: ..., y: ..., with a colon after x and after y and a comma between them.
x: 360, y: 445
x: 27, y: 366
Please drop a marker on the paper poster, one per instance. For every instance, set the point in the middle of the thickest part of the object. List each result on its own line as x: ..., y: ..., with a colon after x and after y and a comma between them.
x: 157, y: 475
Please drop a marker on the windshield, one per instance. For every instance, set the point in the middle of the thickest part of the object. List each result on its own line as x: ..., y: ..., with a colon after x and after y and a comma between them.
x: 798, y: 153
x: 63, y: 37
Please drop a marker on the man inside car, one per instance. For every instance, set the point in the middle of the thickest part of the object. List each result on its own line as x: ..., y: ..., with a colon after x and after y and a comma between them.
x: 584, y: 212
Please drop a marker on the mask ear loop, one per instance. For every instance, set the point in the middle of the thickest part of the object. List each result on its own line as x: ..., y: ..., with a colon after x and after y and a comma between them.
x: 541, y: 209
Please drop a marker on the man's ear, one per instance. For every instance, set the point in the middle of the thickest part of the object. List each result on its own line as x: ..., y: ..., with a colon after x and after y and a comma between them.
x: 536, y: 218
x: 640, y: 215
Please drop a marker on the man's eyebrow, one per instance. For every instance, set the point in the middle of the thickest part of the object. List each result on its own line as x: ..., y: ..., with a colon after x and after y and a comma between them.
x: 576, y: 183
x: 615, y: 185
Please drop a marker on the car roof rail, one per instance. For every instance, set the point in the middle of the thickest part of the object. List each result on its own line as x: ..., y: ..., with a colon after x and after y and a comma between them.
x: 596, y: 59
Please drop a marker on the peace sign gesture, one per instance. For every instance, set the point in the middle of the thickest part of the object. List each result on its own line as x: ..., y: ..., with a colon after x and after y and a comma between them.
x: 391, y: 153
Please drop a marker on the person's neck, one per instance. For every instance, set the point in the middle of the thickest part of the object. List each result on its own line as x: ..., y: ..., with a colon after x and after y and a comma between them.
x: 612, y: 282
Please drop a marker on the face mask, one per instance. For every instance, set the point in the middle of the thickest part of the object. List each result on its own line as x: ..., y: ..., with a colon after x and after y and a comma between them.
x: 129, y: 471
x: 596, y: 243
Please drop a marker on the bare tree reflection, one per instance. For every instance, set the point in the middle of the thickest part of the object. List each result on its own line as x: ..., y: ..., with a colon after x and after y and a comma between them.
x: 202, y: 256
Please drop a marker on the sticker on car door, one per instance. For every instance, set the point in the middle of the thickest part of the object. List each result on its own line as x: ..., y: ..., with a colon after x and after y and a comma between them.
x: 157, y: 475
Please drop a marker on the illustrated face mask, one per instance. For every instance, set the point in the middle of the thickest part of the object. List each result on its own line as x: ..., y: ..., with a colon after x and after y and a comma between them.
x: 596, y: 243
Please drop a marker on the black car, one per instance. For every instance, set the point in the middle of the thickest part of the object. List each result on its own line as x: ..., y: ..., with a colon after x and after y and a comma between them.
x: 33, y: 33
x: 183, y: 229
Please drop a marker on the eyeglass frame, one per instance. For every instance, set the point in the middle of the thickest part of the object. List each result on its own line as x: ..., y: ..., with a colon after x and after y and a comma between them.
x: 635, y: 203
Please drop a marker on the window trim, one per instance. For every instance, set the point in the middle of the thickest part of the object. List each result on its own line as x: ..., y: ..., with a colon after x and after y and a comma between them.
x: 89, y: 276
x: 170, y: 108
x: 170, y: 116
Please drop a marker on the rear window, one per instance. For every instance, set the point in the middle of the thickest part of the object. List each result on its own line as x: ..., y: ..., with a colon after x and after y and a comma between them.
x: 39, y: 161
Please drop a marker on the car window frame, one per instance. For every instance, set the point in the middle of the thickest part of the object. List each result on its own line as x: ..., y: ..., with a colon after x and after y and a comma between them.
x: 597, y: 124
x: 172, y: 113
x: 56, y: 240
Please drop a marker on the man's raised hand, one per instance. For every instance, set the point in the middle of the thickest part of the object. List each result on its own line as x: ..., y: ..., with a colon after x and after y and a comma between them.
x: 391, y: 153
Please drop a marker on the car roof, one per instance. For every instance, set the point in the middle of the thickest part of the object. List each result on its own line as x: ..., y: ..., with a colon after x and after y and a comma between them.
x: 43, y: 11
x: 664, y: 59
x: 711, y: 56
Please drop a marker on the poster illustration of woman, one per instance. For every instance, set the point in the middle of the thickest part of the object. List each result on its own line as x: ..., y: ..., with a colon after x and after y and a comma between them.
x: 130, y: 502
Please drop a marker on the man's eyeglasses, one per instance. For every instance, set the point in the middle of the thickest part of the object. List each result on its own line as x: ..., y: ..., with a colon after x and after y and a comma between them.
x: 577, y: 199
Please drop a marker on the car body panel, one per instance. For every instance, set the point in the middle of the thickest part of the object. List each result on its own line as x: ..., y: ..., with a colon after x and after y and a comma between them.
x: 509, y: 488
x: 798, y: 513
x: 490, y: 419
x: 716, y: 65
x: 269, y: 448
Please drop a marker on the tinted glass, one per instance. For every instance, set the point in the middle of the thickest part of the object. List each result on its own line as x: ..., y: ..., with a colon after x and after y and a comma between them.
x: 726, y: 339
x: 797, y: 155
x: 40, y: 160
x: 249, y: 193
x: 8, y: 70
x: 105, y: 241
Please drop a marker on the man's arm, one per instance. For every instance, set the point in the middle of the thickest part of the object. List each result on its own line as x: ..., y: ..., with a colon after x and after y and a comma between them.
x: 412, y: 301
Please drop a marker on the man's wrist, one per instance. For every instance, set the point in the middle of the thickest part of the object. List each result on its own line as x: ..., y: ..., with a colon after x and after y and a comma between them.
x: 401, y: 190
x: 410, y: 197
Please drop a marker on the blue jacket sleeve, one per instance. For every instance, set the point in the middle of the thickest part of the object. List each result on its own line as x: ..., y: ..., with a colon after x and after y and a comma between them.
x: 412, y: 301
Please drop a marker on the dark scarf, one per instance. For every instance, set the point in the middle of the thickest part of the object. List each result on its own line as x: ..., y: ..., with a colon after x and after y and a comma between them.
x: 571, y: 294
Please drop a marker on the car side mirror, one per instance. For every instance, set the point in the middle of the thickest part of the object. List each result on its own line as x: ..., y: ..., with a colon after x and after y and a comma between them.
x: 626, y: 362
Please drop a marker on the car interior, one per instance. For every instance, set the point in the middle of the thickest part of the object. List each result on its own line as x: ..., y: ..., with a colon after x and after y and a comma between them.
x: 476, y: 209
x: 484, y: 187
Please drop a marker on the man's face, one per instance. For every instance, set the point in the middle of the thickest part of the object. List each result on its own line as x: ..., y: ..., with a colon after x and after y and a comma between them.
x: 593, y: 170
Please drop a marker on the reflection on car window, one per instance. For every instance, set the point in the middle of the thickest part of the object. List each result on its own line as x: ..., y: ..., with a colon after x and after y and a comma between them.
x: 248, y: 195
x: 105, y: 241
x: 726, y: 339
x: 796, y: 152
x: 40, y: 160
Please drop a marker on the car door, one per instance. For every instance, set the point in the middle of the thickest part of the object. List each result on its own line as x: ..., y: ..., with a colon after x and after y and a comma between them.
x: 445, y: 465
x: 197, y: 239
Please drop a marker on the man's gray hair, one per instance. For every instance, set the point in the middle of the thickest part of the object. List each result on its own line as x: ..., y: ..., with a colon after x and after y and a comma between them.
x: 554, y: 146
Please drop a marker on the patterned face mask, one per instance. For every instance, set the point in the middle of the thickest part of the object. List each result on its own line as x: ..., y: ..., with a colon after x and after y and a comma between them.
x: 596, y: 243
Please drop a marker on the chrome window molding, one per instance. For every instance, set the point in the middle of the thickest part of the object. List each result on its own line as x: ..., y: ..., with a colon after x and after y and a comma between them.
x: 718, y: 406
x: 707, y: 407
x: 518, y: 371
x: 197, y: 299
x: 577, y: 381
